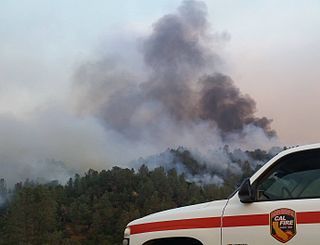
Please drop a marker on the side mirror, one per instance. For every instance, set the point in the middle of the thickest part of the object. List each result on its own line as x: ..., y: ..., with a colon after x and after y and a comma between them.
x: 246, y: 192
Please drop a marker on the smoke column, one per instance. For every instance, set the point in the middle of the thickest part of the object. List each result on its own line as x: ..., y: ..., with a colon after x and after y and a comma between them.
x: 181, y: 99
x: 168, y: 92
x: 183, y: 87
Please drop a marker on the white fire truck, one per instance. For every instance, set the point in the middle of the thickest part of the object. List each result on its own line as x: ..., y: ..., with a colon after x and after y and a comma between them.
x: 278, y: 204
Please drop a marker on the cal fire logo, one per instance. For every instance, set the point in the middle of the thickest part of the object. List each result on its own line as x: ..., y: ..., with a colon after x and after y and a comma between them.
x: 283, y: 224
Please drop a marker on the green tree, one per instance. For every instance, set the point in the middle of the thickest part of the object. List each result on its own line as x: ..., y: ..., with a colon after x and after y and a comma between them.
x: 32, y: 217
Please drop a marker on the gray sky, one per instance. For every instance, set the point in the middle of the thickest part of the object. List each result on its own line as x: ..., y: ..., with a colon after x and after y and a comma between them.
x: 273, y: 54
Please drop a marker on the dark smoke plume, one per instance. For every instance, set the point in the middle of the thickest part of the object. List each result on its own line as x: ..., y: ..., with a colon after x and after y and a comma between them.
x: 176, y: 93
x: 178, y: 51
x: 223, y: 103
x: 137, y: 102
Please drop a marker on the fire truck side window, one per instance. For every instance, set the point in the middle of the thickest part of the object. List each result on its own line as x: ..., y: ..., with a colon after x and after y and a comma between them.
x: 294, y: 176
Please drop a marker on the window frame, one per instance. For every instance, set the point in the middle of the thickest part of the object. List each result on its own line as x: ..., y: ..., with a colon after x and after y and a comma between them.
x: 271, y: 170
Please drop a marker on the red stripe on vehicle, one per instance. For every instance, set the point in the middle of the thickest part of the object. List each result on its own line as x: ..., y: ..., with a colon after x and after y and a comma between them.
x: 215, y: 222
x: 308, y: 217
x: 246, y: 220
x: 210, y: 222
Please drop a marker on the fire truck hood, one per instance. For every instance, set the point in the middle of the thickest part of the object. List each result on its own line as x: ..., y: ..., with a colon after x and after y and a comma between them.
x: 203, y: 210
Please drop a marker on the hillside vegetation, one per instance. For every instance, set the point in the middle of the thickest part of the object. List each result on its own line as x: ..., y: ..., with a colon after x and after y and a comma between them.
x: 95, y: 208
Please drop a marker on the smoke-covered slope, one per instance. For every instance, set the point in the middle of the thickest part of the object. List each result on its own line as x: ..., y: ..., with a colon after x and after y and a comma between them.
x: 216, y: 167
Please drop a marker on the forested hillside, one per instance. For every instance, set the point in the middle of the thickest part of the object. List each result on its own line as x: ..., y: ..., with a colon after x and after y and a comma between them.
x: 95, y: 208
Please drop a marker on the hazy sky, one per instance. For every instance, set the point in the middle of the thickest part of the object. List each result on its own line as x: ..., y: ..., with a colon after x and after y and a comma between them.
x: 272, y: 53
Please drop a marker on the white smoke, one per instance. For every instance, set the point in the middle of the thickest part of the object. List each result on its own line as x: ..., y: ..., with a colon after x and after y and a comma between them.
x: 51, y: 144
x: 124, y: 114
x: 174, y: 102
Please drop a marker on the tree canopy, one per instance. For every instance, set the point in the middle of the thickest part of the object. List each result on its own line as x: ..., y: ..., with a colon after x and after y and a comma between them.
x: 94, y: 208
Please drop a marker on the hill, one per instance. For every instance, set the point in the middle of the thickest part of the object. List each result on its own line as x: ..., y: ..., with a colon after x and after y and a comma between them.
x: 95, y: 208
